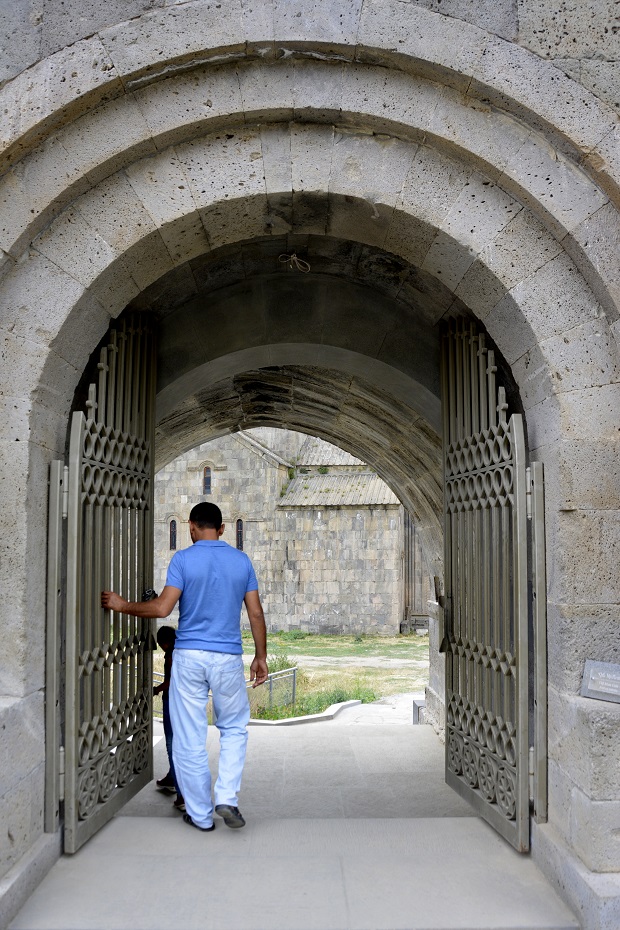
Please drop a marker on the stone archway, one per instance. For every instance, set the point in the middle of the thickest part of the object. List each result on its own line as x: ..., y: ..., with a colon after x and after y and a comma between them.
x: 165, y: 170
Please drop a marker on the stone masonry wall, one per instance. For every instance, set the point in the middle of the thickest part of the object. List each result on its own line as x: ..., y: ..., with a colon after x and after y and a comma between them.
x: 341, y: 570
x: 579, y: 38
x: 179, y: 486
x: 335, y: 570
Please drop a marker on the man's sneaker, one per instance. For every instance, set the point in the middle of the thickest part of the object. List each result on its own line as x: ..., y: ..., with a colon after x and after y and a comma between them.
x: 179, y: 804
x: 166, y: 784
x: 231, y: 816
x: 188, y: 819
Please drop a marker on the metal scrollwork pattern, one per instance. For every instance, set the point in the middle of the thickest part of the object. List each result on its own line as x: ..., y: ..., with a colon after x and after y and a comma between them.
x: 125, y: 763
x: 107, y: 776
x: 505, y: 795
x: 486, y: 612
x: 88, y: 792
x: 482, y: 749
x: 110, y: 543
x: 141, y: 751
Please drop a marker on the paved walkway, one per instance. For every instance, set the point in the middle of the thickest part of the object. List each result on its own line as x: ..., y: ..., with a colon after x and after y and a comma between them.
x: 350, y: 827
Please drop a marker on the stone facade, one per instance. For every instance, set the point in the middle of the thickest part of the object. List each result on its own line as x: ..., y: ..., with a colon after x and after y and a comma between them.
x: 322, y: 569
x: 423, y: 158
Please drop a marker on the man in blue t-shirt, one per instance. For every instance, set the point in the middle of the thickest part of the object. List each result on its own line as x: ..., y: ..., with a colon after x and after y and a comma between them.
x: 211, y: 581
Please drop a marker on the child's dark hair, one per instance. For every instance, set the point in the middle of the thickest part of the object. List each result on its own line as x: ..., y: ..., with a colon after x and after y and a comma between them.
x: 166, y: 636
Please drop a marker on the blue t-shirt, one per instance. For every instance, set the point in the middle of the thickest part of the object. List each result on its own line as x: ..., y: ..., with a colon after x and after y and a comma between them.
x: 214, y: 579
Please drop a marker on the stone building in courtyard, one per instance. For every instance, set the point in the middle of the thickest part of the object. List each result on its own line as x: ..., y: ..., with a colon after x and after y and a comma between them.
x: 223, y: 216
x: 333, y: 548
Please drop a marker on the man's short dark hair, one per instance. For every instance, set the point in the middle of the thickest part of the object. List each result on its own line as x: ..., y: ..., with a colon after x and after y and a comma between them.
x: 206, y: 516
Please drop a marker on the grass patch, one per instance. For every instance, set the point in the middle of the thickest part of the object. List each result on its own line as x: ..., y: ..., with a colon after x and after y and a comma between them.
x: 315, y: 702
x: 297, y: 642
x: 360, y: 670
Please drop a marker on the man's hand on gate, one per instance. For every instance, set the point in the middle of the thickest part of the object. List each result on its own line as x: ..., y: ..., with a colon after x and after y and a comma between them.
x: 258, y: 671
x: 112, y: 601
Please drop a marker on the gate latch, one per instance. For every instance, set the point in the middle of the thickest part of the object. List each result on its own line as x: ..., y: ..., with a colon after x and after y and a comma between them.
x: 65, y: 492
x: 61, y: 773
x: 528, y: 493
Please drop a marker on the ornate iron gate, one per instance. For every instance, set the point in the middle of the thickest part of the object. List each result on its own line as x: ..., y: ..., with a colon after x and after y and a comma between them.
x: 109, y: 546
x: 486, y: 570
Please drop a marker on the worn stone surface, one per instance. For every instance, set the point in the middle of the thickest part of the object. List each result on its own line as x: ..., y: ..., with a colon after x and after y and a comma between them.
x: 595, y: 832
x: 83, y: 70
x: 498, y: 17
x: 556, y: 299
x: 210, y: 98
x: 568, y: 30
x: 424, y: 37
x: 594, y: 239
x: 108, y: 137
x: 551, y: 367
x: 184, y: 30
x: 63, y: 24
x: 593, y: 897
x: 603, y: 79
x: 163, y: 189
x: 568, y: 197
x: 553, y: 100
x: 516, y: 252
x: 35, y: 188
x: 23, y: 733
x: 578, y: 633
x: 368, y: 127
x: 332, y: 26
x: 582, y: 736
x: 20, y: 37
x: 22, y: 817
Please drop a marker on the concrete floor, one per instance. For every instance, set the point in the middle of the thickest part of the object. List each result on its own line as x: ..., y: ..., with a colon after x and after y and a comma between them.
x: 349, y: 827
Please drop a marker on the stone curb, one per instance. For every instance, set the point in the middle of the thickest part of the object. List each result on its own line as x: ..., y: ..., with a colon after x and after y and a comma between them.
x: 327, y: 714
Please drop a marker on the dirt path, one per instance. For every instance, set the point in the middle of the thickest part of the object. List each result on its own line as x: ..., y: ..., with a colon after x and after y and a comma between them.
x: 357, y: 662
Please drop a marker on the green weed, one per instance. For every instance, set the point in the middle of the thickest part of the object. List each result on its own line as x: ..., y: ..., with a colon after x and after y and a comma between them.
x: 315, y: 702
x: 292, y: 635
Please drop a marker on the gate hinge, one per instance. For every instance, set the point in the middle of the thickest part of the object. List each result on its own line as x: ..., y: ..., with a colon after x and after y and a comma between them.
x: 528, y: 493
x: 531, y: 772
x: 65, y: 493
x: 61, y: 773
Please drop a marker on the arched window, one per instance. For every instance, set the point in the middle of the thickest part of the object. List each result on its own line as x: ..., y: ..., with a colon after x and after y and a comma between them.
x: 239, y: 534
x: 206, y: 480
x: 173, y: 534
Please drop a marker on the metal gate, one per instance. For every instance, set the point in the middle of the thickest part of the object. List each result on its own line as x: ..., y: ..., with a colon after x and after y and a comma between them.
x: 490, y: 593
x: 107, y: 492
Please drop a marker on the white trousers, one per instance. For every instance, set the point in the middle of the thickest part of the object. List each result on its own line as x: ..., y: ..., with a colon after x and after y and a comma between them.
x: 194, y: 673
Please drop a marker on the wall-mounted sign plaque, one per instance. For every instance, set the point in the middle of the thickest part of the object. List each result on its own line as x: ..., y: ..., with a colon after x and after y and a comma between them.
x: 601, y: 680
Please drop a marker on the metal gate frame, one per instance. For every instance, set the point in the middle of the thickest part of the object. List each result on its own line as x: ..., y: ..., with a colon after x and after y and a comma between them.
x: 104, y: 500
x: 490, y: 497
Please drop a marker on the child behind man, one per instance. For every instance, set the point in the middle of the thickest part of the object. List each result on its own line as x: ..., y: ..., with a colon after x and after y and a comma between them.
x: 166, y: 636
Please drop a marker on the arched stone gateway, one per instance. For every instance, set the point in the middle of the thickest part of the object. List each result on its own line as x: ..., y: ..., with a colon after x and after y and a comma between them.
x: 420, y: 165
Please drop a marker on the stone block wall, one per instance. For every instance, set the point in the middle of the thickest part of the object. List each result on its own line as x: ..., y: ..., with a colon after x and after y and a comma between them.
x: 179, y: 485
x: 23, y: 776
x: 335, y: 570
x: 579, y: 38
